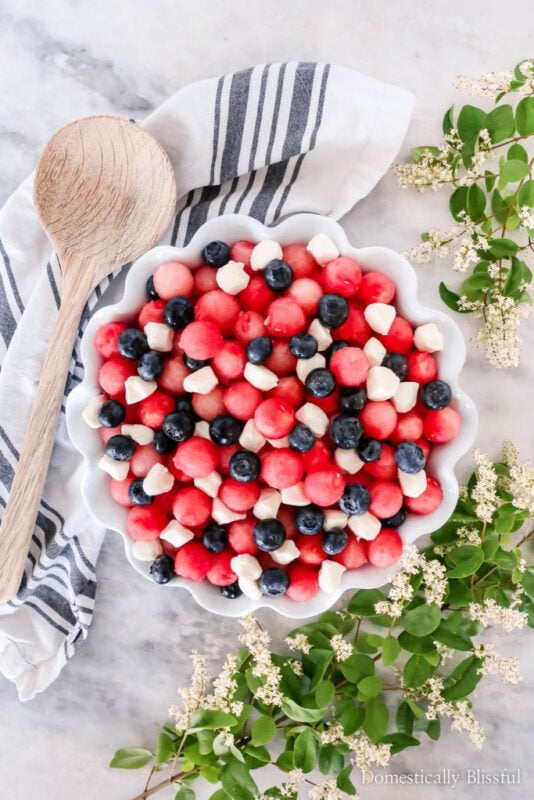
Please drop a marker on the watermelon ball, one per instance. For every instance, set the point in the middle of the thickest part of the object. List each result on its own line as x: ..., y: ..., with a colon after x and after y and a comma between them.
x: 107, y: 338
x: 290, y: 390
x: 191, y: 507
x: 172, y: 378
x: 249, y: 325
x: 151, y: 312
x: 281, y: 361
x: 422, y: 367
x: 324, y: 487
x: 427, y: 502
x: 193, y: 561
x: 386, y: 549
x: 257, y: 296
x: 143, y: 460
x: 282, y: 468
x: 196, y: 457
x: 409, y: 428
x: 113, y: 374
x: 242, y: 399
x: 241, y: 536
x: 241, y: 252
x: 442, y: 426
x: 221, y: 573
x: 178, y: 312
x: 119, y: 492
x: 301, y: 261
x: 172, y: 279
x: 303, y: 582
x: 355, y: 330
x: 273, y: 418
x: 384, y: 467
x: 201, y: 340
x: 316, y: 458
x: 205, y: 280
x: 379, y: 419
x: 375, y: 287
x: 239, y: 497
x: 353, y: 556
x: 229, y: 362
x: 210, y: 405
x: 342, y: 276
x: 216, y: 254
x: 386, y: 499
x: 399, y: 338
x: 218, y: 307
x: 307, y: 293
x: 350, y: 366
x: 311, y: 549
x: 285, y: 318
x: 145, y: 523
x: 154, y: 409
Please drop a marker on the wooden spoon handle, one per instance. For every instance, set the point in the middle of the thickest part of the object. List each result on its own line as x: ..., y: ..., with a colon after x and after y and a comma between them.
x: 18, y: 523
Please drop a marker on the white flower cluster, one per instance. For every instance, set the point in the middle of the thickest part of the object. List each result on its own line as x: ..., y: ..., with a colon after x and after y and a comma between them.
x: 295, y: 779
x: 498, y: 335
x: 436, y: 246
x: 224, y: 689
x: 432, y: 171
x: 326, y: 790
x: 299, y: 642
x: 526, y: 216
x: 490, y: 613
x: 485, y: 491
x: 521, y: 484
x: 507, y: 669
x: 193, y: 695
x: 401, y: 590
x: 488, y: 85
x: 257, y: 641
x: 342, y: 649
x: 458, y: 712
x: 364, y: 753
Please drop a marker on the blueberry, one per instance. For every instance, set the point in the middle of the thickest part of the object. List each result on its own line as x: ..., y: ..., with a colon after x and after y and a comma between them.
x: 355, y: 499
x: 269, y: 534
x: 352, y: 399
x: 216, y: 254
x: 163, y: 444
x: 225, y: 429
x: 195, y: 363
x: 436, y: 395
x: 320, y: 382
x: 332, y: 348
x: 137, y: 494
x: 178, y: 312
x: 278, y: 275
x: 409, y: 457
x: 397, y: 363
x: 334, y: 541
x: 214, y: 537
x: 162, y: 569
x: 303, y: 345
x: 274, y: 581
x: 244, y: 466
x: 111, y: 413
x: 185, y: 403
x: 309, y: 519
x: 151, y: 289
x: 333, y: 310
x: 259, y: 349
x: 231, y: 592
x: 132, y: 344
x: 120, y: 447
x: 178, y: 426
x: 346, y: 431
x: 150, y: 366
x: 301, y: 439
x: 396, y: 520
x: 369, y: 449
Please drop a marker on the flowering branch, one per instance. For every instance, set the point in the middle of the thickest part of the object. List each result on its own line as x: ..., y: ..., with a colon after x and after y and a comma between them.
x: 492, y: 203
x: 321, y: 703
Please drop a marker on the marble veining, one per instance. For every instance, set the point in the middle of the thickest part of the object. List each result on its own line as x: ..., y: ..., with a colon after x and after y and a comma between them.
x: 66, y: 58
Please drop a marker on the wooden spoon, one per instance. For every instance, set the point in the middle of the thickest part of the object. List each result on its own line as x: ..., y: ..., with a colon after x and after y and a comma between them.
x: 105, y: 192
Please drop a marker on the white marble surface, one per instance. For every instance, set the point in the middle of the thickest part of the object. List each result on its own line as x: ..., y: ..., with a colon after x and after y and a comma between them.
x: 60, y: 59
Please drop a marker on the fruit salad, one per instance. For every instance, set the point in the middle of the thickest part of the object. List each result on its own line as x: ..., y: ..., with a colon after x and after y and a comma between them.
x: 267, y: 419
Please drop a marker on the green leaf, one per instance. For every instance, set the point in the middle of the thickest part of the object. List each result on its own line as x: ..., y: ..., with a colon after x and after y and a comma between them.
x: 524, y: 116
x: 450, y: 298
x: 131, y: 758
x: 376, y: 718
x: 422, y: 620
x: 525, y: 195
x: 475, y: 202
x: 263, y: 730
x: 315, y: 664
x: 210, y: 720
x: 502, y: 248
x: 419, y: 152
x: 499, y: 206
x: 399, y: 741
x: 433, y: 729
x: 285, y: 760
x: 489, y: 180
x: 238, y: 782
x: 459, y: 594
x: 416, y: 644
x: 350, y: 717
x: 301, y: 714
x: 166, y: 749
x: 528, y: 583
x: 404, y: 718
x: 448, y: 121
x: 220, y: 794
x: 344, y: 783
x: 363, y: 602
x: 304, y: 751
x: 260, y: 754
x: 184, y: 793
x: 512, y: 171
x: 518, y: 153
x: 500, y: 123
x: 356, y: 667
x: 464, y: 561
x: 473, y: 286
x: 324, y: 693
x: 416, y: 671
x: 463, y: 679
x: 211, y: 773
x: 453, y: 636
x: 470, y: 122
x: 505, y: 559
x: 458, y: 202
x: 331, y: 760
x: 370, y: 686
x: 514, y: 277
x: 390, y: 650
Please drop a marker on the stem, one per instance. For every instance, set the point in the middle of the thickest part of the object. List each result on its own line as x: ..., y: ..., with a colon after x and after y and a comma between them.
x: 161, y: 785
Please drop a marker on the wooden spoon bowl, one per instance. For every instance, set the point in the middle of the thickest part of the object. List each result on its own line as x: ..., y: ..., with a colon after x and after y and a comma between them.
x: 105, y: 192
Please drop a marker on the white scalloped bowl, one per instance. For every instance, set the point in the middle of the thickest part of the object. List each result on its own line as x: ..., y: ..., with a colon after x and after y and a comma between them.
x: 299, y: 228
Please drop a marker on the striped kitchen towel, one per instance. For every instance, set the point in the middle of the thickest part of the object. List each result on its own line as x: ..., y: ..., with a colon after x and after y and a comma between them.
x: 268, y: 141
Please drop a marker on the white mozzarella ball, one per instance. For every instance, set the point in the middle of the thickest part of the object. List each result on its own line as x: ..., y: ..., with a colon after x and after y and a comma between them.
x: 159, y: 336
x: 232, y: 278
x: 375, y: 351
x: 202, y: 429
x: 158, y: 480
x: 90, y: 412
x: 365, y: 526
x: 380, y: 316
x: 295, y: 495
x: 306, y: 365
x: 250, y: 589
x: 210, y: 484
x: 117, y: 469
x: 322, y: 334
x: 137, y: 389
x: 176, y: 534
x: 405, y: 397
x: 224, y: 515
x: 202, y: 381
x: 412, y: 484
x: 428, y: 338
x: 147, y: 551
x: 287, y: 553
x: 348, y: 460
x: 251, y: 438
x: 322, y: 248
x: 141, y: 434
x: 246, y: 566
x: 260, y: 377
x: 263, y: 253
x: 267, y: 504
x: 330, y: 576
x: 334, y: 518
x: 382, y: 383
x: 279, y: 443
x: 314, y: 417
